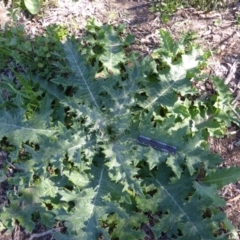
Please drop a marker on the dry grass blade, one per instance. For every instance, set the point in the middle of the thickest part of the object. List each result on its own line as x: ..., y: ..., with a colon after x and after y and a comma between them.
x: 231, y: 73
x: 235, y: 111
x: 38, y: 235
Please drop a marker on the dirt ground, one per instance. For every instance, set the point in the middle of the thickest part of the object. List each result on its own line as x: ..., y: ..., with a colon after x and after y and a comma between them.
x: 218, y: 31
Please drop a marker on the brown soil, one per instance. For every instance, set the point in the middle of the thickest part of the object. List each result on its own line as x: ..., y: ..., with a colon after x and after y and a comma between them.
x: 217, y: 31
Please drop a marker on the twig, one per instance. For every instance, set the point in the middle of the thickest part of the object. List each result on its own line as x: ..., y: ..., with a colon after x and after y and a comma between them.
x: 16, y: 232
x: 234, y: 111
x: 231, y: 73
x: 38, y: 235
x: 234, y: 132
x: 11, y: 164
x: 234, y: 199
x: 236, y: 98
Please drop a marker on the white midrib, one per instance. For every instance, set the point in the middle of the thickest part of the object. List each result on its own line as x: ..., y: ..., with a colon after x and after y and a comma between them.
x: 95, y: 198
x: 165, y: 190
x: 125, y: 99
x: 156, y: 98
x: 85, y: 82
x: 29, y: 129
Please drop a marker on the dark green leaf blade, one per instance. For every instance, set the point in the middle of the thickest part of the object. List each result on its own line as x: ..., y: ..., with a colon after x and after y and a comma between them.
x: 210, y: 192
x: 222, y: 177
x: 185, y: 208
x: 83, y: 75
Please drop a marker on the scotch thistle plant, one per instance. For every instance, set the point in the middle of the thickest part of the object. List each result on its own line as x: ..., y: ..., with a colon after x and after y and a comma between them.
x: 77, y: 155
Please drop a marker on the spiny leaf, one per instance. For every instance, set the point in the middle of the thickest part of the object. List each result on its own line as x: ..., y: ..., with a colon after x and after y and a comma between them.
x: 83, y: 75
x: 174, y: 199
x: 120, y: 166
x: 167, y: 43
x: 113, y: 54
x: 18, y: 130
x: 94, y: 119
x: 84, y: 218
x: 223, y: 177
x: 194, y: 152
x: 175, y: 164
x: 53, y: 90
x: 154, y: 157
x: 129, y: 229
x: 209, y: 191
x: 122, y: 98
x: 29, y: 203
x: 163, y: 90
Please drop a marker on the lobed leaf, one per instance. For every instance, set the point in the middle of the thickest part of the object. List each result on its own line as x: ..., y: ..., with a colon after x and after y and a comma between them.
x: 222, y: 177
